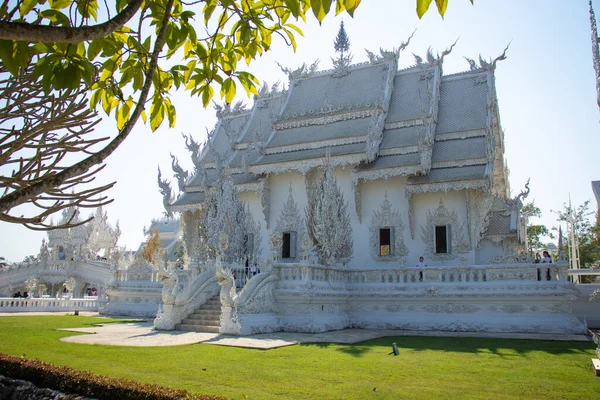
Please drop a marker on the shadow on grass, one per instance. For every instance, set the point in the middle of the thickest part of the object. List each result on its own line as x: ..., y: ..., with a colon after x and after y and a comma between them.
x: 505, y: 348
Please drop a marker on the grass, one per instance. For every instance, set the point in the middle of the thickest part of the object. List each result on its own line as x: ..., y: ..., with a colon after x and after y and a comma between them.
x: 427, y: 368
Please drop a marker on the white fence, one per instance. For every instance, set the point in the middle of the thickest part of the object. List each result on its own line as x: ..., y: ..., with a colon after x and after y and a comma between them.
x: 9, y: 304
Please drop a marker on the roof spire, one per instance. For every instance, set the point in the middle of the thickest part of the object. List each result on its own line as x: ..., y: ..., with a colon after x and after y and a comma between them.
x: 341, y: 42
x: 342, y: 45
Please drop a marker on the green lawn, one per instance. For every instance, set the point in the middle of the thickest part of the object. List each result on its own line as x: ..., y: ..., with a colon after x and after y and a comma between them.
x: 427, y: 368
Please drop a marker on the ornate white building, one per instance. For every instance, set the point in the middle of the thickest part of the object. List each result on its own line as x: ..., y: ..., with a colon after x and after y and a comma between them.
x: 76, y: 260
x: 335, y: 186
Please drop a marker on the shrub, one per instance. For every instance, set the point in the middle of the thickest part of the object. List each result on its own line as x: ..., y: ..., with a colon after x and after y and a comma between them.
x: 85, y: 383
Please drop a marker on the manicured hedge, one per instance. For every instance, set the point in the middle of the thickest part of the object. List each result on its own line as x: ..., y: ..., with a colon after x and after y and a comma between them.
x: 84, y: 383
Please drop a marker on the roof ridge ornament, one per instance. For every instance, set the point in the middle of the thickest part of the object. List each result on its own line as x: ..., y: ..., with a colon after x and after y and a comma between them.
x: 301, y: 72
x: 180, y: 173
x: 226, y: 110
x: 164, y: 187
x: 487, y: 65
x: 389, y: 55
x: 434, y: 60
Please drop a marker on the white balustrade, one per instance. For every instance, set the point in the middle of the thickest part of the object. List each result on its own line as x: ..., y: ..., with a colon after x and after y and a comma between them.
x: 9, y: 304
x: 410, y: 275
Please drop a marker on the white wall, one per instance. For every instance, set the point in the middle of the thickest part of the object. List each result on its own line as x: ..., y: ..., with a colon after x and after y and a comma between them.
x: 372, y: 197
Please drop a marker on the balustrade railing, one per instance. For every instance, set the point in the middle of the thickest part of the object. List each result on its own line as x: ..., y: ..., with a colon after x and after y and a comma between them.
x: 409, y: 275
x: 136, y: 275
x: 9, y: 304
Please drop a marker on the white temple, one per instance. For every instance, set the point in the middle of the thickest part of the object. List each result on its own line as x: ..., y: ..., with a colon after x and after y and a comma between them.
x: 334, y: 187
x: 74, y: 261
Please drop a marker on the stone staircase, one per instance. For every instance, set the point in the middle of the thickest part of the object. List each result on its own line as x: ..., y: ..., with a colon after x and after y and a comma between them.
x: 207, y: 318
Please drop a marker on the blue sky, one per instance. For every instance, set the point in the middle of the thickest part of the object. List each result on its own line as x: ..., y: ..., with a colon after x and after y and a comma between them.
x: 546, y: 92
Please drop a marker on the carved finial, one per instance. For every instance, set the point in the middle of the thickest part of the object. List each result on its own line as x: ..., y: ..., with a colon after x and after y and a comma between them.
x: 403, y: 45
x: 342, y: 46
x: 418, y: 60
x: 264, y: 90
x: 341, y: 42
x: 165, y: 190
x: 194, y: 148
x: 390, y: 55
x: 523, y: 195
x: 491, y: 65
x: 472, y: 64
x: 447, y: 51
x: 501, y: 56
x: 180, y: 173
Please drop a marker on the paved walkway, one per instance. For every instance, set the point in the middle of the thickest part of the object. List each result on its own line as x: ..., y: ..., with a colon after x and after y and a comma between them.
x: 142, y: 334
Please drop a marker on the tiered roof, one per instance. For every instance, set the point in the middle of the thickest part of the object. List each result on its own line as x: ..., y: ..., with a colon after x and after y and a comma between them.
x: 442, y: 132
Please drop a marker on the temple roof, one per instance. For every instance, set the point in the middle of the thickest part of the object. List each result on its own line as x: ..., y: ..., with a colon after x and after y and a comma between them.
x: 443, y: 132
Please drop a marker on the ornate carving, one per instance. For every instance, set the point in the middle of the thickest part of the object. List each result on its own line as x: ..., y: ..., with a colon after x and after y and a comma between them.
x: 165, y: 190
x: 180, y: 173
x: 479, y: 204
x: 491, y: 65
x: 386, y: 217
x: 442, y: 216
x: 328, y: 221
x: 301, y: 72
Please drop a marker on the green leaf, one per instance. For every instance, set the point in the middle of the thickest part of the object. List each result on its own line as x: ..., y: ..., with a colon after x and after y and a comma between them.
x: 172, y: 115
x: 294, y: 7
x: 56, y: 17
x: 441, y: 5
x: 8, y: 58
x: 228, y: 90
x: 422, y: 7
x: 351, y: 6
x: 94, y: 99
x: 157, y: 113
x: 123, y: 115
x: 320, y: 8
x: 207, y: 94
x: 26, y: 7
x: 59, y: 4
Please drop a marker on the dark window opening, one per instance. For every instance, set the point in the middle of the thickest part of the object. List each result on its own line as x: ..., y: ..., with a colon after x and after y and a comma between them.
x: 286, y: 247
x: 385, y: 242
x: 441, y: 239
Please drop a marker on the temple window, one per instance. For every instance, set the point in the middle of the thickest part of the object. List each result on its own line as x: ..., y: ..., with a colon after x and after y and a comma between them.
x: 442, y: 239
x: 385, y: 242
x: 288, y: 248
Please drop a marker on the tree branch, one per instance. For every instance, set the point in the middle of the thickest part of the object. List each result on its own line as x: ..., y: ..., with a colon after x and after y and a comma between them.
x: 64, y: 34
x: 27, y: 193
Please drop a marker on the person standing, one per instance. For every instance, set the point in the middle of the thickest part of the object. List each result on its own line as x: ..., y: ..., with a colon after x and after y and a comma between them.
x: 420, y: 265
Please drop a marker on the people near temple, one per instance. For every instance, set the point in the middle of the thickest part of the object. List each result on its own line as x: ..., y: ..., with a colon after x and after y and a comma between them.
x: 546, y: 259
x: 421, y: 264
x: 538, y: 258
